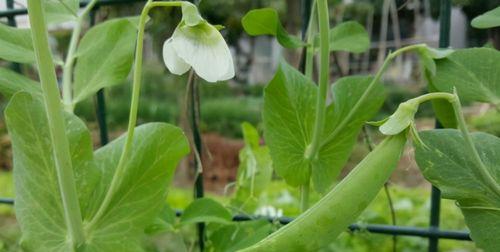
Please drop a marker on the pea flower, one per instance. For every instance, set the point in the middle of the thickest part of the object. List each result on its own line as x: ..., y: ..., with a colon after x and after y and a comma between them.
x: 196, y: 43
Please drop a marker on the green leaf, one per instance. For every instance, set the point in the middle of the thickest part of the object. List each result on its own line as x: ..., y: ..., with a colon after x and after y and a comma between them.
x: 349, y: 36
x: 12, y: 82
x: 474, y: 73
x: 487, y: 20
x: 240, y: 235
x: 38, y: 202
x: 266, y: 22
x: 254, y: 172
x: 105, y: 57
x: 205, y: 210
x: 164, y: 222
x: 157, y: 148
x: 58, y: 11
x: 16, y: 44
x: 289, y: 111
x: 447, y: 165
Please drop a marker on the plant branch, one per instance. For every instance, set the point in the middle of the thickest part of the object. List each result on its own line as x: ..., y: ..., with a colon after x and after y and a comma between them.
x: 136, y: 90
x: 69, y: 63
x: 324, y: 76
x: 57, y: 128
x: 370, y: 88
x: 311, y: 32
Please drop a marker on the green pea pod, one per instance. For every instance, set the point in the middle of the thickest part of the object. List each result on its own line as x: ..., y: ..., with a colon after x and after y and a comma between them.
x: 323, y: 222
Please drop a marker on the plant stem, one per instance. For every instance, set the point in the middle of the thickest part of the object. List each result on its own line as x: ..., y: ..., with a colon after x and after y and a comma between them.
x: 70, y: 59
x: 57, y: 128
x: 136, y: 90
x: 324, y: 76
x: 311, y: 31
x: 369, y: 89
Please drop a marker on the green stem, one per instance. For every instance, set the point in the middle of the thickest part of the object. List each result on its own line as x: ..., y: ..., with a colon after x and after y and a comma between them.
x: 370, y: 88
x: 324, y: 76
x: 57, y: 128
x: 311, y: 32
x: 71, y: 57
x: 136, y: 90
x: 462, y: 126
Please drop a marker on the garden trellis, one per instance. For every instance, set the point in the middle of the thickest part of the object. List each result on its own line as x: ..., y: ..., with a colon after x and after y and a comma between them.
x: 433, y: 232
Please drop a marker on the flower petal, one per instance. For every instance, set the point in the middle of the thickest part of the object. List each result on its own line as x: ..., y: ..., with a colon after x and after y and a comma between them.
x: 174, y: 63
x: 203, y: 47
x: 190, y: 14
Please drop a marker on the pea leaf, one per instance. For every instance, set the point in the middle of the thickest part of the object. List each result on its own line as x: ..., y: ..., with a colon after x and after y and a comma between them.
x: 428, y: 55
x: 38, y: 201
x: 266, y: 22
x: 254, y: 172
x: 16, y: 44
x: 487, y: 20
x: 12, y: 82
x: 157, y: 148
x: 58, y: 11
x: 105, y: 57
x: 474, y: 72
x: 289, y: 111
x: 348, y: 36
x: 448, y: 165
x: 239, y: 235
x: 205, y: 210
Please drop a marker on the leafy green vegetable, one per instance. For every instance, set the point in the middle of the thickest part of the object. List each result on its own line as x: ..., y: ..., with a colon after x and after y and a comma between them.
x: 487, y: 20
x: 447, y: 165
x: 12, y: 82
x: 266, y: 22
x: 474, y: 73
x: 205, y: 210
x: 104, y: 57
x: 289, y: 110
x: 254, y: 172
x: 443, y: 110
x: 239, y: 235
x: 16, y: 44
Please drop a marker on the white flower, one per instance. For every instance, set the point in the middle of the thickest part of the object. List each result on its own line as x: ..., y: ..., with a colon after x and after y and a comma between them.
x: 196, y: 43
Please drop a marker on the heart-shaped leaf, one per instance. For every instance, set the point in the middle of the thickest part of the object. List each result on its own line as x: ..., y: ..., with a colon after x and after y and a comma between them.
x: 449, y: 166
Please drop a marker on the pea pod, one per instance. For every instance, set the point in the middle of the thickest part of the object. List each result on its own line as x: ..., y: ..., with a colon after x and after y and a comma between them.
x: 324, y: 221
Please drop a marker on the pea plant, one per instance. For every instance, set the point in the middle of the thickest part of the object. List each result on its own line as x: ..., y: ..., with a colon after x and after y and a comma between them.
x: 70, y: 197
